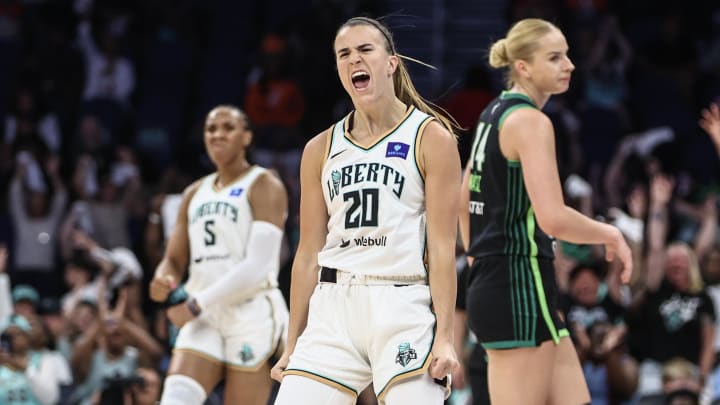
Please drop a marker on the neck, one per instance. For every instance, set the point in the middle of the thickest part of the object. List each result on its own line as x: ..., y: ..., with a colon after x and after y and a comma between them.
x: 536, y: 96
x: 379, y: 118
x: 231, y: 172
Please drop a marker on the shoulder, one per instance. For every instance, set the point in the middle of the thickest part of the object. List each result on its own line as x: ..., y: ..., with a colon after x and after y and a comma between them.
x: 316, y: 149
x: 523, y: 119
x: 268, y: 182
x: 432, y: 132
x: 190, y: 190
x: 436, y: 145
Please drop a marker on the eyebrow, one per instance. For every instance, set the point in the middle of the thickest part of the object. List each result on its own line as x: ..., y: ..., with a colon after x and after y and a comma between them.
x: 357, y: 47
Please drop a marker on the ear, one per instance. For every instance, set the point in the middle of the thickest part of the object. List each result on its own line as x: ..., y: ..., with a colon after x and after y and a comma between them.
x: 393, y: 62
x: 522, y: 68
x: 247, y: 138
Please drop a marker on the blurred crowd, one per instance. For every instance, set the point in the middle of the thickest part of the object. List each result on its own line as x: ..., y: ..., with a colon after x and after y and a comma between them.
x: 102, y: 103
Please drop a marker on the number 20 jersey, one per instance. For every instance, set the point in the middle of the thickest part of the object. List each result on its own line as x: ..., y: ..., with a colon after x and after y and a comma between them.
x: 375, y: 198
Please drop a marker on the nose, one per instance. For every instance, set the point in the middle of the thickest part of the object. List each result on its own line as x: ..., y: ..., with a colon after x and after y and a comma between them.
x: 569, y: 65
x: 354, y: 57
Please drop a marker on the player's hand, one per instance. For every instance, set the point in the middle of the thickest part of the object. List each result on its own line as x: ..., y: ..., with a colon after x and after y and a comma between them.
x: 279, y: 367
x: 619, y: 249
x: 444, y: 360
x: 180, y: 314
x: 458, y: 377
x: 161, y: 287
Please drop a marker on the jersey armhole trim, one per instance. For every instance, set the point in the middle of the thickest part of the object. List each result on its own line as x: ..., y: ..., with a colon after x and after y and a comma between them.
x: 329, y: 141
x: 507, y: 112
x: 418, y: 141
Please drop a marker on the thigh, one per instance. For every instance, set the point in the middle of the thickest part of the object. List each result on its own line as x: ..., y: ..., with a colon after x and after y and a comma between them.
x: 205, y: 371
x: 255, y: 331
x: 532, y: 363
x: 511, y: 302
x: 568, y: 386
x: 248, y: 387
x: 330, y: 348
x: 201, y: 337
x: 402, y: 325
x: 419, y: 390
x: 300, y: 390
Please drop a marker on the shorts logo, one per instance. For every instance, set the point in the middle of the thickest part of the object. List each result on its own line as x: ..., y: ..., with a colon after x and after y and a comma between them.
x: 246, y: 353
x: 405, y: 354
x: 397, y: 149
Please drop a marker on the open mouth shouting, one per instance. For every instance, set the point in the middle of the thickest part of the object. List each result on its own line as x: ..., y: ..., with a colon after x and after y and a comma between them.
x: 360, y: 80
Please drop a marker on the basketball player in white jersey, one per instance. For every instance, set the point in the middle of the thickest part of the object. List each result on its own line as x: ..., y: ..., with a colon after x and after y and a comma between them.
x: 373, y: 281
x: 228, y: 235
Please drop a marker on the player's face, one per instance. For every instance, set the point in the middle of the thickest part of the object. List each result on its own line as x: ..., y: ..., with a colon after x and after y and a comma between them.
x: 226, y: 135
x: 364, y: 65
x: 551, y: 68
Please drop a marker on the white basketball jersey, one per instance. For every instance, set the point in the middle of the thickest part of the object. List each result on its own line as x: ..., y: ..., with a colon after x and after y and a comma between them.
x: 219, y: 223
x: 375, y: 198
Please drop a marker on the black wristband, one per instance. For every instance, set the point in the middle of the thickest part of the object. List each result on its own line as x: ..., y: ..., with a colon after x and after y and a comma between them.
x: 193, y: 307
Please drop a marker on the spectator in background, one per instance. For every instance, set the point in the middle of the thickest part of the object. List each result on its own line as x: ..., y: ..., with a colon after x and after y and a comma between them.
x: 25, y: 301
x: 28, y: 118
x: 112, y: 347
x: 26, y: 376
x: 111, y: 199
x: 36, y: 209
x: 672, y: 309
x: 109, y: 75
x: 611, y: 373
x: 79, y: 275
x: 275, y: 105
x: 682, y: 382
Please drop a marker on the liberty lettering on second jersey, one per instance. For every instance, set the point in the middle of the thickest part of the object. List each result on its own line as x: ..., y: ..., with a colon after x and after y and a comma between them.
x: 365, y: 173
x: 215, y: 208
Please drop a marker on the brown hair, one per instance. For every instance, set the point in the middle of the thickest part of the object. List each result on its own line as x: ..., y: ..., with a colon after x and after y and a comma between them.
x: 520, y: 42
x: 404, y: 87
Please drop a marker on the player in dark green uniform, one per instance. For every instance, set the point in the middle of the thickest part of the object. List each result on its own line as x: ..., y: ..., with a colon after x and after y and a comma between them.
x: 514, y: 199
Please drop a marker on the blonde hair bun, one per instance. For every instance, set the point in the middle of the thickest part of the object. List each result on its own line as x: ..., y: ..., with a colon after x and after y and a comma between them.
x: 499, y: 55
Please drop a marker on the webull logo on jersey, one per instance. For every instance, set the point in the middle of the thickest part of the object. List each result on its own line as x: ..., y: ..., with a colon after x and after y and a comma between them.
x: 365, y: 173
x: 365, y: 241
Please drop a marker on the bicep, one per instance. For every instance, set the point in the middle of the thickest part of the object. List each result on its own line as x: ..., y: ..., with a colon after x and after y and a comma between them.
x: 443, y: 176
x: 313, y: 211
x: 269, y: 200
x: 530, y: 134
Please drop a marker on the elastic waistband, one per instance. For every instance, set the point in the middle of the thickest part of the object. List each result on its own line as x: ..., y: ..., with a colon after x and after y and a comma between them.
x: 335, y: 276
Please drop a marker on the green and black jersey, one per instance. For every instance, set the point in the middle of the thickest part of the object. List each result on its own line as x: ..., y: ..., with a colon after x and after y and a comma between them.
x: 502, y: 221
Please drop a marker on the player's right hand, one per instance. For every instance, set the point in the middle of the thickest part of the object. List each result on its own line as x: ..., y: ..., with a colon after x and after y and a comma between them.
x: 279, y: 367
x: 161, y: 287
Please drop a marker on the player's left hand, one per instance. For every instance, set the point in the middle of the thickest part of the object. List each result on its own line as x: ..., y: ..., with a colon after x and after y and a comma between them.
x: 444, y: 360
x: 179, y: 314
